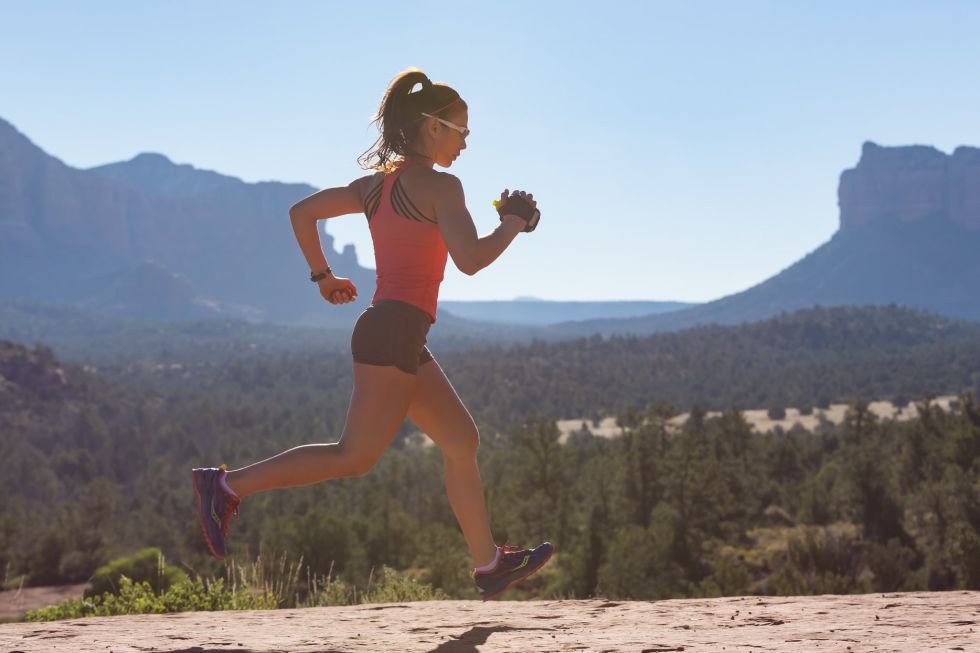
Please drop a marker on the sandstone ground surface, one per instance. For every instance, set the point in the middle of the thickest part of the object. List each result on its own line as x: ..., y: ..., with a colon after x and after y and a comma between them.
x: 911, y: 622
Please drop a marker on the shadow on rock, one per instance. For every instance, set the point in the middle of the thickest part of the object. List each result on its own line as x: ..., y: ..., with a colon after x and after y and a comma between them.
x: 468, y: 641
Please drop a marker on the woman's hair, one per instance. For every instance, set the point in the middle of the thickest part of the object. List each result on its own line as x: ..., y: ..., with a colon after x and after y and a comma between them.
x: 399, y: 114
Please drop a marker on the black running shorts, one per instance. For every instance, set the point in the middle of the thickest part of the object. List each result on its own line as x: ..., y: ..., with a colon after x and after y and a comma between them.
x: 391, y: 332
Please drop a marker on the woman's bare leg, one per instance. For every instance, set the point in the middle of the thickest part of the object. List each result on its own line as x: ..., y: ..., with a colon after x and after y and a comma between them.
x: 439, y: 412
x: 378, y: 406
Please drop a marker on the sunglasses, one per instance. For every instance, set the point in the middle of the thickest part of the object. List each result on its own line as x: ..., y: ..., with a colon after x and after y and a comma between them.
x: 463, y: 131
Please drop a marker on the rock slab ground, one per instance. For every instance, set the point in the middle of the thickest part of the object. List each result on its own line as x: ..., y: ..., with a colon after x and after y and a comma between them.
x: 911, y: 622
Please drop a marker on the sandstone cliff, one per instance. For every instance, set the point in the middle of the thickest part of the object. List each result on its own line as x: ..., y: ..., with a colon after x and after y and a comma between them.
x: 911, y: 184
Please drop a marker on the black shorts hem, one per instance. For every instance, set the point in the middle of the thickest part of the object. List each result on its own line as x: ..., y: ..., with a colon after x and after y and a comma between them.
x: 392, y: 333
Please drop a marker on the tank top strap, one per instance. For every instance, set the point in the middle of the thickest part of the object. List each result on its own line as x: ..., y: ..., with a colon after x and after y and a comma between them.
x: 389, y: 184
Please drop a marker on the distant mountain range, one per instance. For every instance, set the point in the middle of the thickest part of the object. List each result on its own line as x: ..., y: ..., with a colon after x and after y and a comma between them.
x: 151, y: 239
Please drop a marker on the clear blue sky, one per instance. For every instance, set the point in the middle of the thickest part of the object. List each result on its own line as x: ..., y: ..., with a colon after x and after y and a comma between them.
x: 681, y: 150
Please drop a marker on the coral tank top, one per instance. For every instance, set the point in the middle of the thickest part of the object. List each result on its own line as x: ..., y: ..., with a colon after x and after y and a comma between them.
x: 409, y: 252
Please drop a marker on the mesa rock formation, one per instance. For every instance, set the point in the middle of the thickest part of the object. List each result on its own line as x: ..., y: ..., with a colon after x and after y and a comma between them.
x: 911, y: 184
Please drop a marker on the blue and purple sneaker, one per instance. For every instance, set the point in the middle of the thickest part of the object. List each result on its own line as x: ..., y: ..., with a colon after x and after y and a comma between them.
x: 513, y: 566
x: 216, y: 503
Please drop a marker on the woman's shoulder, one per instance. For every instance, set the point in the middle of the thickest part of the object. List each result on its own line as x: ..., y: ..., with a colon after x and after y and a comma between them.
x: 444, y: 182
x: 368, y: 187
x: 426, y: 181
x: 368, y: 180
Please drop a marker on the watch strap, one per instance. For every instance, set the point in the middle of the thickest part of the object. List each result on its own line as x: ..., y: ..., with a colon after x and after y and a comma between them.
x: 319, y: 276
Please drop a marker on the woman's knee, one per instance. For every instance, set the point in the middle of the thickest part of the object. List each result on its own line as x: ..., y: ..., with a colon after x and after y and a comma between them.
x: 357, y: 463
x: 464, y: 444
x: 361, y: 467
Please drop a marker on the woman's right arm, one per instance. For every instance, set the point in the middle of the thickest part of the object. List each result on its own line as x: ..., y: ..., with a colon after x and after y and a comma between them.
x: 330, y: 202
x: 324, y: 204
x: 469, y: 252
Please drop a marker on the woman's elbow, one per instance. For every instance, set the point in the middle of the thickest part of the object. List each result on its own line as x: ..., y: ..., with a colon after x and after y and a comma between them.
x: 298, y: 213
x: 469, y: 268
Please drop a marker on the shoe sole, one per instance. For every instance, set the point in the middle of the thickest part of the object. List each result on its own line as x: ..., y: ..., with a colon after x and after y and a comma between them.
x: 518, y: 580
x: 200, y: 519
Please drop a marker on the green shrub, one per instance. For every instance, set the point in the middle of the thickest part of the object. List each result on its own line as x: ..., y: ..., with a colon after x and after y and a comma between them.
x: 396, y: 586
x: 393, y: 586
x: 277, y: 577
x: 147, y: 565
x: 819, y: 560
x: 140, y: 598
x: 639, y: 564
x: 963, y: 553
x: 892, y: 565
x: 445, y: 561
x: 330, y: 592
x: 281, y: 580
x: 730, y: 575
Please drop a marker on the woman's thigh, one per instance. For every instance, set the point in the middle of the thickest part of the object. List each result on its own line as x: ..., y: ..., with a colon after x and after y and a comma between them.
x: 378, y: 405
x: 440, y: 413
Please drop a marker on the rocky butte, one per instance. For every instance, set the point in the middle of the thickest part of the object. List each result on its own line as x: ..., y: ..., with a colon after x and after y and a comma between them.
x: 911, y: 184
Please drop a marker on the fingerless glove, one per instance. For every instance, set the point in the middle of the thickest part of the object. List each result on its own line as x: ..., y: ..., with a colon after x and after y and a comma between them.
x: 517, y: 205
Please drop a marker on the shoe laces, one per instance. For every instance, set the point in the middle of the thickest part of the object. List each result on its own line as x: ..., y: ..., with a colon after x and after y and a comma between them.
x: 231, y: 505
x: 504, y: 550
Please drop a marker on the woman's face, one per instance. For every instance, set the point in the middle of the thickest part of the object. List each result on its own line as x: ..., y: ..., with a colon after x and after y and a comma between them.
x: 445, y: 142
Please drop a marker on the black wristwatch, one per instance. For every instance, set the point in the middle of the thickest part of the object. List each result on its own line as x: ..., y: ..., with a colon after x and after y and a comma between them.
x: 319, y: 276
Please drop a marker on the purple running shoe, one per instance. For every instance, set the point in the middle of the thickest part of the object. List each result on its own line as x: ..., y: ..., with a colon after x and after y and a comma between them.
x: 215, y: 506
x: 514, y: 566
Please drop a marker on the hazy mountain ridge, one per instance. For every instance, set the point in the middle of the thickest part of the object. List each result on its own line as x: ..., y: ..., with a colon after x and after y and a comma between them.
x: 118, y: 236
x: 912, y: 265
x: 821, y: 351
x: 152, y: 239
x: 545, y: 312
x: 808, y: 358
x: 230, y: 240
x: 155, y: 174
x: 909, y: 235
x: 79, y: 333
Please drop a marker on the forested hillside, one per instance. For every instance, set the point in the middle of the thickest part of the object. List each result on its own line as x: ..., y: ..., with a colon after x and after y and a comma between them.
x: 806, y: 358
x: 95, y: 464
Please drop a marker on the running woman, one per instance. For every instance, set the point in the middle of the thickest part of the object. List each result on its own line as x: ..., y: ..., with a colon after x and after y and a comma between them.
x: 418, y: 218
